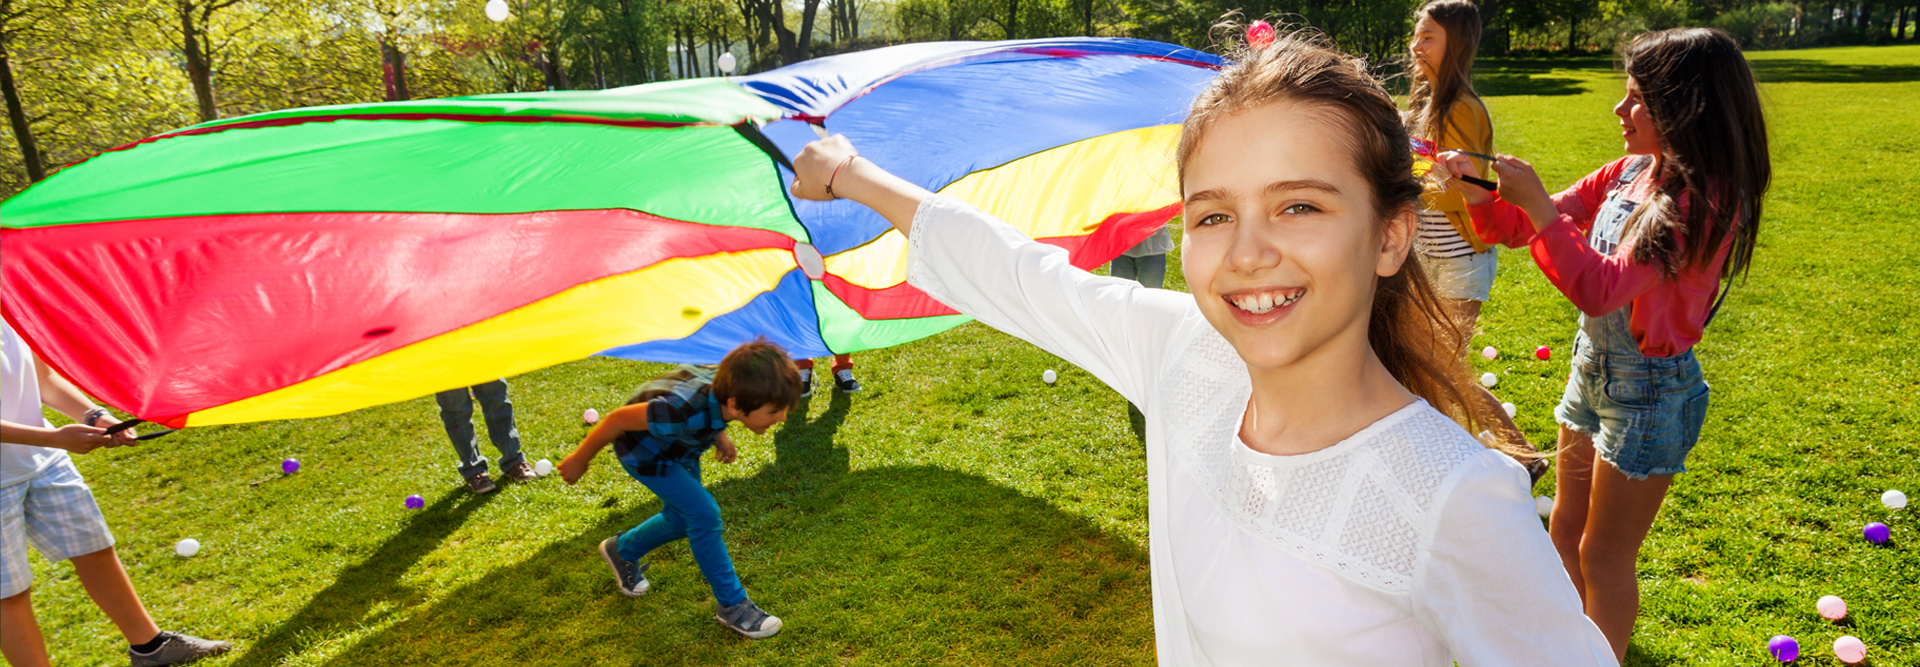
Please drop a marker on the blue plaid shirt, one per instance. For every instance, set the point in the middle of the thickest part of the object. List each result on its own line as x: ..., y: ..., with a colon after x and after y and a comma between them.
x: 681, y: 426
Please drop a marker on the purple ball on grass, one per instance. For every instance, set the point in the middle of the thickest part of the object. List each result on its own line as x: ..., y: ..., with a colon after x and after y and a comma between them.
x: 290, y: 466
x: 415, y: 502
x: 1877, y: 533
x: 1783, y: 648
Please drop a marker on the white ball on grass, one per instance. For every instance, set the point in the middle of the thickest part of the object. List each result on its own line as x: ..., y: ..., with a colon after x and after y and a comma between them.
x: 543, y: 468
x: 1049, y: 376
x: 1894, y: 499
x: 1488, y: 380
x: 1511, y: 409
x: 187, y: 547
x: 497, y: 10
x: 1543, y: 506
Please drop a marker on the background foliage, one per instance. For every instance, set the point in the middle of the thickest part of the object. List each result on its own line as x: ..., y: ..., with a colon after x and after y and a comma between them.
x: 83, y: 76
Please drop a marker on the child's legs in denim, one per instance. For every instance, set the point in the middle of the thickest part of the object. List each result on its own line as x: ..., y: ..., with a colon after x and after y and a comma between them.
x: 687, y: 510
x: 456, y: 414
x: 498, y: 410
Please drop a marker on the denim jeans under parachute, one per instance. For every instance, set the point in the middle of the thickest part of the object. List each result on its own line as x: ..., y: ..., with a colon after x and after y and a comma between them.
x: 1643, y: 413
x: 456, y: 414
x: 687, y: 510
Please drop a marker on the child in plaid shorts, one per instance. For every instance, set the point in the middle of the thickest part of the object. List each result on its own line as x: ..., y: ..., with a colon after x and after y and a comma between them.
x: 44, y: 502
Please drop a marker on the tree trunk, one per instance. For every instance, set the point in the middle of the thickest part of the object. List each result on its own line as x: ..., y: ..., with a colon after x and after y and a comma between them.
x: 1013, y: 19
x: 1086, y: 18
x: 199, y: 60
x: 953, y: 20
x: 807, y: 15
x: 17, y: 117
x: 394, y: 64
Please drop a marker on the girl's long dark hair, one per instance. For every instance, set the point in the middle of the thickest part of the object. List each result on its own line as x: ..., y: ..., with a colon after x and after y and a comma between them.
x: 1408, y: 328
x: 1432, y: 98
x: 1704, y: 104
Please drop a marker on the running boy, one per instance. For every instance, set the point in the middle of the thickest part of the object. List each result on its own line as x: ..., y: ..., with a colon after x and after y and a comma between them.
x: 659, y: 436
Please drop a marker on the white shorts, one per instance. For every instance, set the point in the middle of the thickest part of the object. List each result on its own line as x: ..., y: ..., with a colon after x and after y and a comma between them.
x: 1464, y: 278
x: 56, y: 511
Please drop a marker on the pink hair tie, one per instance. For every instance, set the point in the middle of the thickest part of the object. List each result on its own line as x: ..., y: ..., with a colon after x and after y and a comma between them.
x: 1260, y: 35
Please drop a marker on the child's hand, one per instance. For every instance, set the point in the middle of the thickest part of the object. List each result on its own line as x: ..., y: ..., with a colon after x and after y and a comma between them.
x: 723, y: 449
x: 1452, y: 166
x: 79, y: 438
x: 126, y: 436
x: 813, y: 168
x: 1520, y: 186
x: 574, y: 467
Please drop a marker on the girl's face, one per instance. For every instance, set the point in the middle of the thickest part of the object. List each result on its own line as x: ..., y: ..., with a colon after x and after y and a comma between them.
x: 1282, y: 246
x: 1636, y: 123
x: 1429, y: 47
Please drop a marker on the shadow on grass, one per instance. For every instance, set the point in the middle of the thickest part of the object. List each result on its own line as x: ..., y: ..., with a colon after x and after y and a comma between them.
x: 901, y: 565
x: 1639, y: 657
x: 374, y: 581
x: 1815, y: 71
x: 1500, y: 84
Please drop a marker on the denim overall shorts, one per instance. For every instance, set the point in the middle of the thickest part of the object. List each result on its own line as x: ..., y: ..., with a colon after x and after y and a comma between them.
x: 1643, y: 413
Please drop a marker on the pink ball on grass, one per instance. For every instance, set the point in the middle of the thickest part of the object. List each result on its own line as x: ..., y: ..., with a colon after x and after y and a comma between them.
x: 1543, y: 353
x: 1850, y: 649
x: 590, y: 416
x: 1877, y: 533
x: 415, y: 502
x: 1783, y: 648
x: 1831, y: 607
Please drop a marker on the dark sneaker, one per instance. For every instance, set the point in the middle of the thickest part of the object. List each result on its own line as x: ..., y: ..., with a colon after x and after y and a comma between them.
x: 629, y: 576
x: 747, y: 619
x: 178, y: 649
x: 520, y: 472
x: 806, y: 382
x: 480, y: 483
x: 843, y: 381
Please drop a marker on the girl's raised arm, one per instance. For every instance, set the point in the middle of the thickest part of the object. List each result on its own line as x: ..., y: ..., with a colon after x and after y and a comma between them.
x: 830, y: 169
x: 983, y: 267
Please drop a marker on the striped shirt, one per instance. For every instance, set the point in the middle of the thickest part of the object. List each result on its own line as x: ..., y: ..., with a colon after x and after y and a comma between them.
x: 1438, y: 239
x: 681, y: 425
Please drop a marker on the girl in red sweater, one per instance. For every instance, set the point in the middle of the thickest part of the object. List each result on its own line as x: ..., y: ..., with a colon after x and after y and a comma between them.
x: 1641, y: 247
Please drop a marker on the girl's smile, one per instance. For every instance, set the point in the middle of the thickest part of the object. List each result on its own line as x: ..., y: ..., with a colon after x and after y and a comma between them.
x: 1636, y: 123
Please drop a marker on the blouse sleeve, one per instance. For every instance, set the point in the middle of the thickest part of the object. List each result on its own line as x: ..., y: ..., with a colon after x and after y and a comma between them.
x: 1490, y: 584
x: 1115, y: 329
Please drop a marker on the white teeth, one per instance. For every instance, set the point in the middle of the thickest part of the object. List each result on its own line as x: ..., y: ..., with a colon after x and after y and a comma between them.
x: 1265, y: 302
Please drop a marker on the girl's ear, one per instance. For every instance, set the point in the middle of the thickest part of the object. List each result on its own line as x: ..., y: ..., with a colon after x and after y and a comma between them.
x: 1395, y: 241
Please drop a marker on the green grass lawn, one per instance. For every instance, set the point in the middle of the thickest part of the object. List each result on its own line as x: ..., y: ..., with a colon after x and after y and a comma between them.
x: 960, y: 511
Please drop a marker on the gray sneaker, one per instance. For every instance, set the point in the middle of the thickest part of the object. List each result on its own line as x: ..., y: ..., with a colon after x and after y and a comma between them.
x: 178, y: 649
x: 630, y: 577
x: 747, y: 619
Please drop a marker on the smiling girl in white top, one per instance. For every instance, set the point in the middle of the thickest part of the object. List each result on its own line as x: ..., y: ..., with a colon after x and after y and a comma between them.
x: 1310, y: 500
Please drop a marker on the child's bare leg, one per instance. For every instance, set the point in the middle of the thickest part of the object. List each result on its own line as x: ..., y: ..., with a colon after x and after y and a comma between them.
x: 1622, y: 511
x: 106, y: 581
x: 1573, y: 484
x: 20, y: 639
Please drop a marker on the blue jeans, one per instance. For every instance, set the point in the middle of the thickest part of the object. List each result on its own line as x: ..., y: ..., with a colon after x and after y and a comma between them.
x: 456, y: 413
x: 687, y: 510
x: 1150, y: 270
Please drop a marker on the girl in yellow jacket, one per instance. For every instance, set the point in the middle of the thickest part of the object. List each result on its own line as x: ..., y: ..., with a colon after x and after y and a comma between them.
x: 1443, y: 109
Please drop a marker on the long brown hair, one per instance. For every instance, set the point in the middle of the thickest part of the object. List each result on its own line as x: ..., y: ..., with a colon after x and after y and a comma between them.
x: 1431, y: 100
x: 1700, y: 92
x: 1408, y: 328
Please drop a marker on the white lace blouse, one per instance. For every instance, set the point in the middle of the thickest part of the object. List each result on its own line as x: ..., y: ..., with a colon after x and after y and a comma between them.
x: 1409, y: 543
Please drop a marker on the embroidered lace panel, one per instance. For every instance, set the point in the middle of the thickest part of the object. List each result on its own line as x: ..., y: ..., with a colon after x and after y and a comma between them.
x: 1359, y: 513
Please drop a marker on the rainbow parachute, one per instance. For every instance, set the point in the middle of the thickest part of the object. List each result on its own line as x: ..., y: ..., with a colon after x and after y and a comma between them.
x: 314, y: 261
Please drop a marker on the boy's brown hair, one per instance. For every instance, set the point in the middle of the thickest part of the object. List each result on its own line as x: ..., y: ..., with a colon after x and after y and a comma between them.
x: 755, y: 375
